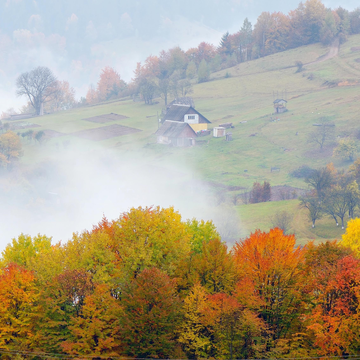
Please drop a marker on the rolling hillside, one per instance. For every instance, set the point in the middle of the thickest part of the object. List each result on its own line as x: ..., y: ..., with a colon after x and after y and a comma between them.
x: 242, y: 95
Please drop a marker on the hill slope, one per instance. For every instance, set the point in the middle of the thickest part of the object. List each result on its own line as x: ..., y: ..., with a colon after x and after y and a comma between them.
x: 242, y: 95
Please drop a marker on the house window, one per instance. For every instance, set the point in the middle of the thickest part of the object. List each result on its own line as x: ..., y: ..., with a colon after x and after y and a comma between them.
x: 191, y: 118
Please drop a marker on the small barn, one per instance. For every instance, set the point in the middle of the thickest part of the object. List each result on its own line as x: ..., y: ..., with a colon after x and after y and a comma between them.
x: 176, y: 133
x: 187, y: 114
x: 280, y: 106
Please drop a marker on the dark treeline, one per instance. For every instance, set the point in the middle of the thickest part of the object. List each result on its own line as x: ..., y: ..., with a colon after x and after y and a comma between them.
x: 333, y: 193
x: 150, y: 285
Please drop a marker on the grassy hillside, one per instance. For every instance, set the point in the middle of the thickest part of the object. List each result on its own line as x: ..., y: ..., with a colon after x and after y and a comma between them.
x: 243, y: 95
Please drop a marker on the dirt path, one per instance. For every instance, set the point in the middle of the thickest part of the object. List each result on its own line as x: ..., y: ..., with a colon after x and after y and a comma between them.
x: 334, y: 50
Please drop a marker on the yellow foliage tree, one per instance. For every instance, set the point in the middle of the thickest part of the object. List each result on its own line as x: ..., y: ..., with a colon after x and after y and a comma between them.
x: 351, y: 238
x: 194, y: 335
x: 19, y: 309
x: 25, y: 249
x: 147, y: 237
x: 10, y: 148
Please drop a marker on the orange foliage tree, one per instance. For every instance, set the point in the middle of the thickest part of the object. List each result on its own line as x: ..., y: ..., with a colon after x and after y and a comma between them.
x: 92, y: 96
x: 97, y: 330
x: 334, y: 320
x: 19, y: 311
x: 274, y: 267
x: 109, y: 84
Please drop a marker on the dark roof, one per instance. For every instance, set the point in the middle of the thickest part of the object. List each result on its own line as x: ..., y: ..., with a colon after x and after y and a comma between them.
x: 183, y: 101
x: 177, y: 112
x: 173, y: 129
x: 279, y: 100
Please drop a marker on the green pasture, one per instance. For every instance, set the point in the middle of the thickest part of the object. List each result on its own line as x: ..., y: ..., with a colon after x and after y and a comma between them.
x: 261, y: 140
x: 258, y: 216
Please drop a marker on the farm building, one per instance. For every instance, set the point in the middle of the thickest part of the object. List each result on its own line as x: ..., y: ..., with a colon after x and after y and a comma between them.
x: 187, y: 114
x: 280, y: 106
x: 176, y: 133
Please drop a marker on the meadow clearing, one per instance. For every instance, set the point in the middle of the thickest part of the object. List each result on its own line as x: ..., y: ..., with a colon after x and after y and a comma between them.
x: 244, y: 96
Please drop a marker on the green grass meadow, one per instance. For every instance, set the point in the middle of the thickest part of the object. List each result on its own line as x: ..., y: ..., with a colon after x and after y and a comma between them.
x: 325, y: 89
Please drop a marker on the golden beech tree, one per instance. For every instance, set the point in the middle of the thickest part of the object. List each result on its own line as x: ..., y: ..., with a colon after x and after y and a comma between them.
x: 351, y: 238
x: 194, y: 334
x: 92, y: 252
x: 10, y: 148
x: 148, y: 237
x: 24, y: 250
x: 214, y: 267
x: 19, y: 311
x: 271, y: 262
x: 235, y: 330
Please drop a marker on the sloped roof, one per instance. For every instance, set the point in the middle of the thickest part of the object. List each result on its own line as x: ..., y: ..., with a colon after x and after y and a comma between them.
x: 177, y: 112
x: 173, y: 129
x: 279, y: 100
x: 182, y: 101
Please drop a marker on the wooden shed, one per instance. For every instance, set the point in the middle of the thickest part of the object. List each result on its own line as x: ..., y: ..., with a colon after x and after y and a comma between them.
x: 219, y: 131
x: 280, y: 106
x: 176, y: 133
x: 187, y: 114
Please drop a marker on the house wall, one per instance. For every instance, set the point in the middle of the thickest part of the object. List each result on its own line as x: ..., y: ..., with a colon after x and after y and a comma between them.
x: 198, y: 127
x: 201, y: 118
x: 163, y: 140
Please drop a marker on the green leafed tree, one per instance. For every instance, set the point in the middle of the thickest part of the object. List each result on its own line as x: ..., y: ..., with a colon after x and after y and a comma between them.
x: 203, y: 72
x: 25, y: 249
x: 346, y: 149
x: 191, y: 70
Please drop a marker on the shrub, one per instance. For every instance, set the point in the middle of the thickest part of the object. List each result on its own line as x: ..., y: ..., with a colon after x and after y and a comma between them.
x: 302, y: 172
x: 260, y: 193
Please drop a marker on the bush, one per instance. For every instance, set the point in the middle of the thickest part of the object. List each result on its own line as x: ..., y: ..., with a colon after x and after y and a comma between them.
x: 302, y: 172
x: 260, y: 193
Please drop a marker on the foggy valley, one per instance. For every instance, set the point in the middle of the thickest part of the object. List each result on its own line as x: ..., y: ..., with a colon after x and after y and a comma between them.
x: 179, y: 180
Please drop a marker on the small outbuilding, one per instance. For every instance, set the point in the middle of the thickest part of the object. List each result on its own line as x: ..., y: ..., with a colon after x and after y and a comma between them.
x: 175, y: 133
x: 219, y: 131
x: 280, y: 106
x: 187, y: 114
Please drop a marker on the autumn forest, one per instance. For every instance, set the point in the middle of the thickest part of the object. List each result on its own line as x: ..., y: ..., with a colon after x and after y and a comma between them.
x: 150, y: 285
x: 155, y: 282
